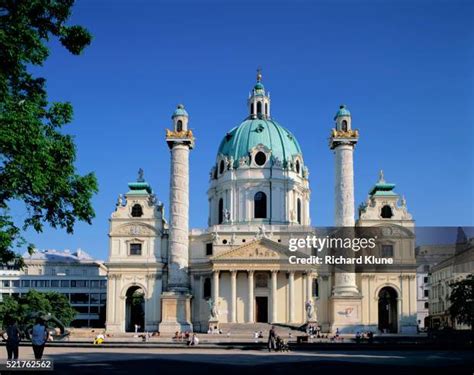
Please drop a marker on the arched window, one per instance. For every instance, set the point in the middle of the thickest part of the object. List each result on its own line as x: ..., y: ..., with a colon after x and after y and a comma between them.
x: 259, y: 108
x: 179, y: 126
x: 298, y: 166
x: 221, y: 167
x: 137, y: 210
x: 260, y: 205
x: 252, y: 109
x: 266, y: 109
x: 386, y: 212
x: 298, y: 210
x: 315, y: 291
x: 221, y: 211
x: 207, y: 288
x: 344, y: 125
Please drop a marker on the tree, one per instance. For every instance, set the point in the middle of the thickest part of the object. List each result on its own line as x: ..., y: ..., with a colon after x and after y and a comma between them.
x: 36, y: 159
x: 462, y: 301
x: 34, y: 302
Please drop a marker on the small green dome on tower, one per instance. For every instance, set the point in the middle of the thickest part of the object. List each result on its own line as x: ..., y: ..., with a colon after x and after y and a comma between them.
x: 180, y: 111
x: 343, y: 111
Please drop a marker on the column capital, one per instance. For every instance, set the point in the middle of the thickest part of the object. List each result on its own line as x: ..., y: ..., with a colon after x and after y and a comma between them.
x: 251, y: 272
x: 233, y: 272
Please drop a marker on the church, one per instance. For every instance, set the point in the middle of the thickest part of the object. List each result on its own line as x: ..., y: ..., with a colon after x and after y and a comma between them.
x: 164, y: 276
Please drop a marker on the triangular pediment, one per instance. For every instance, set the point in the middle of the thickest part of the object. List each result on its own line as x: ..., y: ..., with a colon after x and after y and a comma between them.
x: 263, y: 249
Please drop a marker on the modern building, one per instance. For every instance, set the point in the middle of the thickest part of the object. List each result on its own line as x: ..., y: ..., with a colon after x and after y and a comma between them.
x: 427, y: 256
x: 455, y: 268
x: 82, y: 279
x: 237, y: 270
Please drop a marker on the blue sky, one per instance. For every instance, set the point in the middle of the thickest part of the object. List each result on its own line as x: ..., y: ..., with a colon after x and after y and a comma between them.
x: 404, y: 69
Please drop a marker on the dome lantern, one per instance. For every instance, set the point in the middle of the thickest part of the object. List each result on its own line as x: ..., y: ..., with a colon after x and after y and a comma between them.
x: 259, y: 101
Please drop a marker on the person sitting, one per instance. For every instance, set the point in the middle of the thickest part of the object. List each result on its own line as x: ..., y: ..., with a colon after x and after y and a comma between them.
x: 193, y: 341
x: 99, y: 339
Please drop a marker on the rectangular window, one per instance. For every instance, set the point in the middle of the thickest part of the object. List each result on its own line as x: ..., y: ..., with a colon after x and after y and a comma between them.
x: 95, y: 284
x: 425, y: 279
x: 103, y: 284
x: 6, y: 283
x: 82, y: 309
x: 16, y: 283
x: 135, y: 249
x: 103, y: 298
x: 387, y: 251
x: 95, y: 298
x: 94, y: 309
x: 64, y: 283
x: 79, y: 283
x: 426, y: 292
x: 79, y: 298
x: 25, y: 283
x: 209, y: 248
x: 54, y: 283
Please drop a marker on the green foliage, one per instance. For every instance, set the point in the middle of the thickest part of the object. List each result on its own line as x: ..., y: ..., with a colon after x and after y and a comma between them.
x: 462, y: 301
x: 33, y: 302
x: 36, y: 159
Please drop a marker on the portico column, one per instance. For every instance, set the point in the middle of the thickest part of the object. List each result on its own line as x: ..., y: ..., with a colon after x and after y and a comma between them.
x: 233, y: 287
x: 251, y: 313
x: 291, y: 285
x: 215, y: 287
x: 309, y: 286
x: 274, y: 296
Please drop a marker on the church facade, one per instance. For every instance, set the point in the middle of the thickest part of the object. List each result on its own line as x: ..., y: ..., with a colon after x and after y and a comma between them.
x: 237, y: 271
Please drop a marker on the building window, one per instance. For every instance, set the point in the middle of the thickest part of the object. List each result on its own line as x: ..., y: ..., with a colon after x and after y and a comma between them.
x: 260, y: 158
x: 54, y: 283
x: 209, y: 248
x: 6, y: 283
x: 16, y: 283
x: 298, y: 210
x: 135, y: 249
x: 64, y: 283
x: 179, y: 126
x: 344, y: 125
x: 297, y: 166
x: 79, y: 298
x: 315, y: 291
x: 261, y: 280
x: 386, y: 212
x: 79, y: 283
x: 387, y: 251
x: 221, y: 211
x: 427, y: 305
x: 137, y: 210
x: 252, y: 109
x: 260, y: 205
x: 425, y: 279
x: 207, y: 288
x: 25, y: 283
x: 221, y: 167
x: 95, y: 284
x: 259, y: 108
x: 426, y: 293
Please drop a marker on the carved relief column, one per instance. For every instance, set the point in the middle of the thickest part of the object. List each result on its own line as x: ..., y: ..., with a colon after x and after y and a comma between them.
x: 251, y: 314
x: 233, y: 287
x: 291, y: 286
x: 274, y: 296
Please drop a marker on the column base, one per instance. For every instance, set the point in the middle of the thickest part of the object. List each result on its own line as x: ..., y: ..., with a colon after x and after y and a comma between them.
x: 176, y: 312
x: 346, y: 313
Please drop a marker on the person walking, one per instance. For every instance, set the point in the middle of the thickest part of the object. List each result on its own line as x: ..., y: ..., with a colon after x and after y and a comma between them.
x: 13, y: 339
x: 272, y: 339
x: 39, y: 336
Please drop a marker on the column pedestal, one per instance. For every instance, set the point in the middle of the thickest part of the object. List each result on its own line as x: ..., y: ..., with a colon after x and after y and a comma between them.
x: 346, y: 313
x: 176, y: 312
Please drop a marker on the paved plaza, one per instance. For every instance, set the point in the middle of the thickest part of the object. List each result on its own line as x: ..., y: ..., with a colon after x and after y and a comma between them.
x: 98, y: 360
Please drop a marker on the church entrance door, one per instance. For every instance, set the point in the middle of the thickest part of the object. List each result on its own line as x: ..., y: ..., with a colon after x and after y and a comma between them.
x: 135, y: 310
x: 388, y: 310
x: 261, y: 311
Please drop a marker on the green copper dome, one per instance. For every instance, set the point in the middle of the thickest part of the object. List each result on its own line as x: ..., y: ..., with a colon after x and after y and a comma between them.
x: 343, y: 111
x: 239, y: 141
x: 180, y: 111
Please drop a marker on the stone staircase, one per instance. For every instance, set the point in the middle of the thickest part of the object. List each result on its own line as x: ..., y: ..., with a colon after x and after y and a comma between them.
x: 248, y: 329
